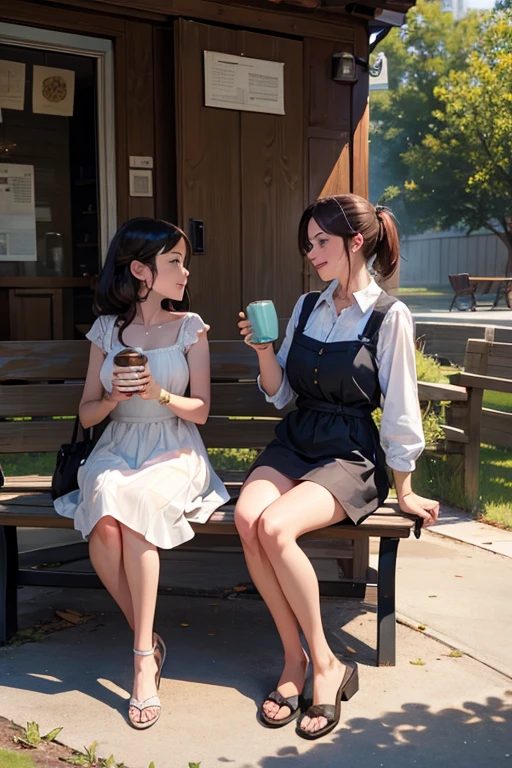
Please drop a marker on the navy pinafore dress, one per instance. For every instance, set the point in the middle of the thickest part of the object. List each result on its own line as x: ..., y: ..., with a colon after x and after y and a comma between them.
x: 331, y: 438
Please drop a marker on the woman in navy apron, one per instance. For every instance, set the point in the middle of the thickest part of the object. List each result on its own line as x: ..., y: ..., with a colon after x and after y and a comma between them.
x: 346, y: 351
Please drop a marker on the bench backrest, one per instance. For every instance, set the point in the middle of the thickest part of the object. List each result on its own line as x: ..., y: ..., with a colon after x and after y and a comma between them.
x: 43, y: 380
x: 488, y: 358
x: 449, y: 340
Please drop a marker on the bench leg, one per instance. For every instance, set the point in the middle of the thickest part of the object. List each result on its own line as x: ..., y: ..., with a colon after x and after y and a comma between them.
x: 386, y: 618
x: 8, y: 582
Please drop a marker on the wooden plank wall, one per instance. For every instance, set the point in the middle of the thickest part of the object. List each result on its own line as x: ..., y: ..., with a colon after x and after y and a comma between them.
x: 242, y: 174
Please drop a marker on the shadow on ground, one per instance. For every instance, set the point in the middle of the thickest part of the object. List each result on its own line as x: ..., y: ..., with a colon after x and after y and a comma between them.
x: 414, y: 735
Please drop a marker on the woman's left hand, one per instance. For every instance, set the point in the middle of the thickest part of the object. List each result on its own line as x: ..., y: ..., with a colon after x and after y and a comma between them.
x: 413, y: 504
x: 139, y: 383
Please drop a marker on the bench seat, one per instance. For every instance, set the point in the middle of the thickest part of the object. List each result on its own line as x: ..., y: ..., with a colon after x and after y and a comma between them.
x: 40, y: 388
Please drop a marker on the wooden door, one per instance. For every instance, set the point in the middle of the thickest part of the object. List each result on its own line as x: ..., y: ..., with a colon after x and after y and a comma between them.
x: 242, y: 174
x: 36, y: 313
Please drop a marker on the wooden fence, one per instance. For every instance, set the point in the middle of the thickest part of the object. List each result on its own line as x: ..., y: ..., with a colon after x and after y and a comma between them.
x: 480, y: 349
x: 463, y: 429
x: 428, y: 259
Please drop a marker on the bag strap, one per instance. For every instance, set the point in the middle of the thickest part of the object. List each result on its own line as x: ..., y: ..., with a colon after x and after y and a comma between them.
x: 74, y: 436
x: 87, y: 434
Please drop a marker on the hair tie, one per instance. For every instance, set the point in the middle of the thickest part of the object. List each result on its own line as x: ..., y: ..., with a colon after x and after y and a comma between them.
x: 378, y: 210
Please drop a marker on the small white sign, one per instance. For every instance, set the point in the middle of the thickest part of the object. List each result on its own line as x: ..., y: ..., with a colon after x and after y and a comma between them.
x: 141, y: 183
x: 238, y: 82
x: 137, y: 161
x: 53, y: 92
x: 12, y: 84
x: 380, y: 82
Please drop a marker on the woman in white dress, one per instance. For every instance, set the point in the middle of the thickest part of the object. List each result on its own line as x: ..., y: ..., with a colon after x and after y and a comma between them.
x: 148, y: 476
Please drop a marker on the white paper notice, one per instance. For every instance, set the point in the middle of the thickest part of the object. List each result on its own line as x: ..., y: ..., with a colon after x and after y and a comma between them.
x: 53, y: 92
x: 12, y: 84
x: 17, y: 213
x: 238, y: 82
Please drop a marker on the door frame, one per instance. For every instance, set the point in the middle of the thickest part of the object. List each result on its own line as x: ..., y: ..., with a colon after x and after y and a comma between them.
x: 103, y: 51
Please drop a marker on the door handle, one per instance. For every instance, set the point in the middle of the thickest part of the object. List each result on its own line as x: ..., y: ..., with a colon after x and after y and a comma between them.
x: 196, y: 234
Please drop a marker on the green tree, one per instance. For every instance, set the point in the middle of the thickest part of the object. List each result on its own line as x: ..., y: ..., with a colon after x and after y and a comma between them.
x: 420, y: 55
x: 460, y: 173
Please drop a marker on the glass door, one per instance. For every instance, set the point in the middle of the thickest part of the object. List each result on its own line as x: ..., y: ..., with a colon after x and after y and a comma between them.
x: 57, y: 177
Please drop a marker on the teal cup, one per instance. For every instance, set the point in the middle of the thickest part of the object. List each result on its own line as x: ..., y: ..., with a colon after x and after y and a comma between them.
x: 262, y: 316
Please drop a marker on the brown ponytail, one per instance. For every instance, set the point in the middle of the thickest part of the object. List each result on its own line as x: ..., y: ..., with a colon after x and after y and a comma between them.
x: 388, y: 244
x: 348, y: 215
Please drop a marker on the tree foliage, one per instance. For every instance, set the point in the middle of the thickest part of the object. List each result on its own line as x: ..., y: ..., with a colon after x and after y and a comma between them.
x: 419, y: 55
x: 442, y: 135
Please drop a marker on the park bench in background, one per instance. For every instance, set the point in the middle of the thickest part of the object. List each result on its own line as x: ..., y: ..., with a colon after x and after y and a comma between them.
x: 43, y: 380
x: 463, y: 289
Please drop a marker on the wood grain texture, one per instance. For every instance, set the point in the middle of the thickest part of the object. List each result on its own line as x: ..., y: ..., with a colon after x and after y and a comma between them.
x: 36, y: 509
x: 208, y: 152
x: 285, y: 20
x: 40, y: 399
x: 36, y: 313
x: 81, y: 21
x: 44, y: 360
x: 360, y: 116
x: 140, y: 107
x: 329, y: 101
x: 271, y: 182
x: 166, y: 202
x: 439, y: 392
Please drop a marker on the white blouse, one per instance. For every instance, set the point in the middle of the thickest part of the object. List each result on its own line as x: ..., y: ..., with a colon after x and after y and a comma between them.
x: 401, y: 430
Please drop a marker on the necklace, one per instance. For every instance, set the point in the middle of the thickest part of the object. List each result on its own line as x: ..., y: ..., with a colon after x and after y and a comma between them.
x: 150, y: 328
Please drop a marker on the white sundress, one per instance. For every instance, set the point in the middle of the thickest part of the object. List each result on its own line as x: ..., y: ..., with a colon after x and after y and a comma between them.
x: 149, y: 469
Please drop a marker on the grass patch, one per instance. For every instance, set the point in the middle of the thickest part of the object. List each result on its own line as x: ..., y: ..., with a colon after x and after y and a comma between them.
x: 499, y: 401
x: 14, y: 760
x: 19, y: 464
x: 436, y: 476
x: 232, y: 458
x: 423, y: 292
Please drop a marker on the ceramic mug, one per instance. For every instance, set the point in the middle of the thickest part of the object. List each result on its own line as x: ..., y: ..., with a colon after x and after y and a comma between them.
x: 262, y: 316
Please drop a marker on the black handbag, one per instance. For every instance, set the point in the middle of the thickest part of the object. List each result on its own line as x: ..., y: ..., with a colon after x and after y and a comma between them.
x: 69, y: 459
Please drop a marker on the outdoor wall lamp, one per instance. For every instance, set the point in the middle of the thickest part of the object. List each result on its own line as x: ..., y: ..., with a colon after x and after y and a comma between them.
x: 344, y: 67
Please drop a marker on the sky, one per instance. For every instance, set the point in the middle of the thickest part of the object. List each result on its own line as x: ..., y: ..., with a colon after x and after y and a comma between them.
x: 480, y: 3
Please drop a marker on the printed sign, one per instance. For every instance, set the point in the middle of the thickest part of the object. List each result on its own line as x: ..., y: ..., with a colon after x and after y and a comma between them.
x: 17, y: 213
x: 238, y: 82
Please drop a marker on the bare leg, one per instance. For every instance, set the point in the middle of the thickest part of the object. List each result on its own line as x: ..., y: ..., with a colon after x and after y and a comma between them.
x: 142, y: 568
x: 306, y: 507
x: 106, y: 554
x: 264, y: 486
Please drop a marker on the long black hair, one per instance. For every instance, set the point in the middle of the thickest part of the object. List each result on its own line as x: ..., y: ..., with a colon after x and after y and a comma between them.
x: 140, y: 239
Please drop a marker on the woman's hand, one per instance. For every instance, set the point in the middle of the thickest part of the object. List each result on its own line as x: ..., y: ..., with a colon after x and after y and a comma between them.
x: 413, y: 504
x: 134, y: 380
x: 246, y: 332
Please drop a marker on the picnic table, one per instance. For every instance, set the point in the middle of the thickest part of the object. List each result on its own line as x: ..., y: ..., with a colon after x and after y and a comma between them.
x: 504, y: 286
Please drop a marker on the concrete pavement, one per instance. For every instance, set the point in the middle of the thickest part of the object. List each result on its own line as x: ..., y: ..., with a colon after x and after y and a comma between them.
x: 439, y: 710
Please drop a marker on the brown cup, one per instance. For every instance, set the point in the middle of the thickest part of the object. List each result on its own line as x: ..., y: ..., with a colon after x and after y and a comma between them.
x: 128, y: 357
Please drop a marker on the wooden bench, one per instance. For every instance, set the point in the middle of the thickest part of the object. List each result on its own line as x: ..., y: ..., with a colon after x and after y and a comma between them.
x: 43, y: 380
